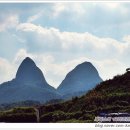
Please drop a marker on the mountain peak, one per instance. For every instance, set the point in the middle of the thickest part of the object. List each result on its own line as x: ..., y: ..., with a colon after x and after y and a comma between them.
x: 29, y: 84
x: 28, y: 72
x: 86, y: 67
x: 82, y: 78
x: 85, y: 64
x: 28, y: 60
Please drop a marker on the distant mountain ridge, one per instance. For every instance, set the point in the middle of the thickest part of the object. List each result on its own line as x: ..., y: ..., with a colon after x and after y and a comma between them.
x: 30, y: 84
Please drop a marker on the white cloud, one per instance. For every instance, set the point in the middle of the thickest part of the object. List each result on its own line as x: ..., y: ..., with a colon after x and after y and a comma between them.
x: 108, y: 68
x: 8, y: 21
x: 126, y: 39
x: 53, y: 38
x: 35, y: 17
x: 58, y: 9
x: 75, y: 8
x: 21, y: 55
x: 111, y: 5
x: 6, y: 70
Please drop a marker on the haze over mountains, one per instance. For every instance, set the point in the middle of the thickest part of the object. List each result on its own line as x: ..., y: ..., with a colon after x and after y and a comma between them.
x: 30, y: 84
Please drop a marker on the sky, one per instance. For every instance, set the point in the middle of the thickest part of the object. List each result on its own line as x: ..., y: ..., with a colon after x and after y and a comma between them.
x: 59, y: 36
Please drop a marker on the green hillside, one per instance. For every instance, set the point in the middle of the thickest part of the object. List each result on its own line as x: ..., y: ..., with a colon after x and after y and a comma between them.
x: 109, y: 96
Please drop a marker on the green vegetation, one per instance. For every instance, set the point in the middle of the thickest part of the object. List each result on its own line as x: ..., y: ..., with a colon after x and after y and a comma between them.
x: 18, y: 115
x: 109, y: 96
x: 27, y: 103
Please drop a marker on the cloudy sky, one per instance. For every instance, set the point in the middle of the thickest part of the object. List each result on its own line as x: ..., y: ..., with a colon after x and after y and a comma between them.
x: 59, y: 36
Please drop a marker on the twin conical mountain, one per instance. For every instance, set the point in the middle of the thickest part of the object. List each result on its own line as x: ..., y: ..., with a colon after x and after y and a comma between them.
x: 28, y: 72
x: 81, y: 79
x: 30, y: 84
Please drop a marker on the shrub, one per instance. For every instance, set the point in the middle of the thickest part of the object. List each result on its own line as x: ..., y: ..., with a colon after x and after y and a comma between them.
x: 23, y: 110
x: 121, y: 103
x: 18, y: 118
x: 46, y: 118
x: 87, y: 117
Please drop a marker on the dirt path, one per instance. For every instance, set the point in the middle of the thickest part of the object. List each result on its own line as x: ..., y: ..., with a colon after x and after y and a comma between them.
x: 37, y: 115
